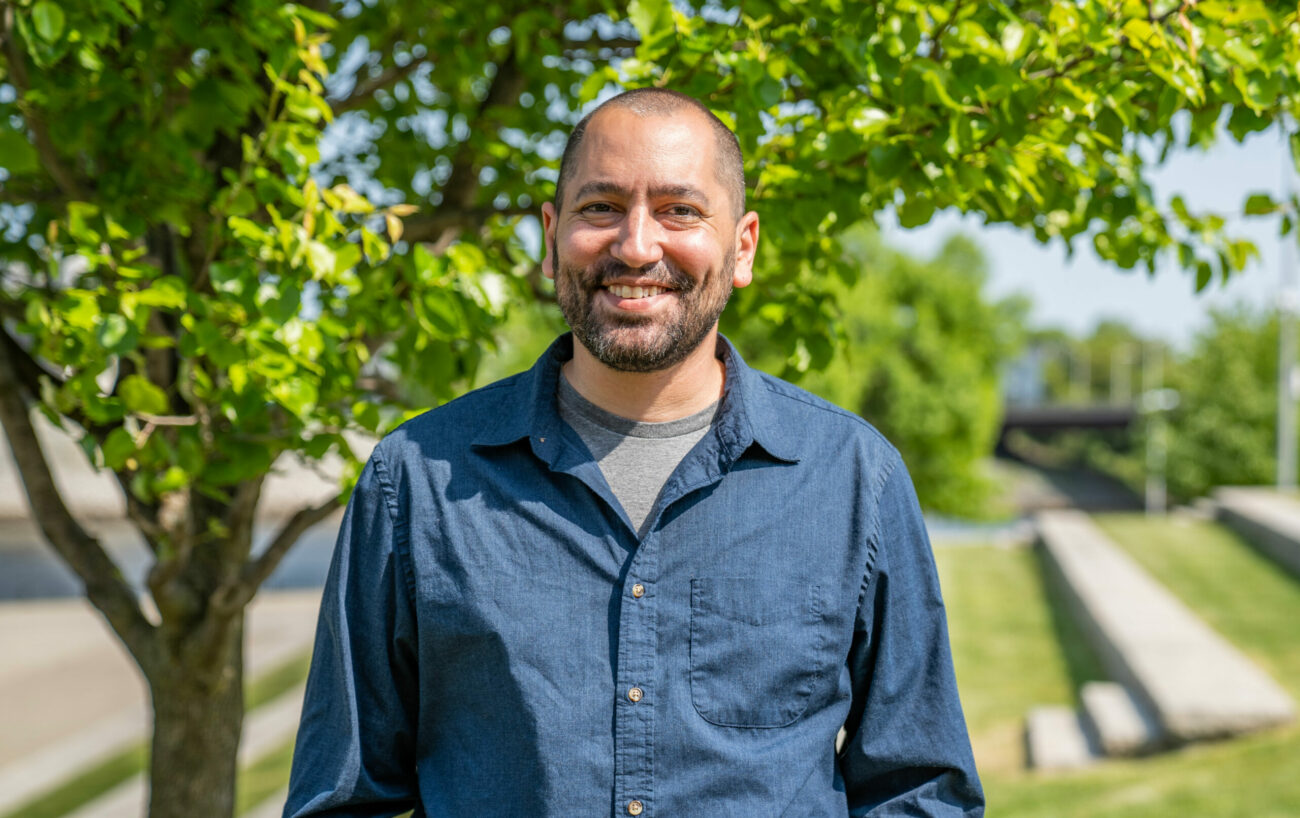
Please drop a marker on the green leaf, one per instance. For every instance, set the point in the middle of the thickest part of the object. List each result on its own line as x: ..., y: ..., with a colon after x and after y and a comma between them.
x: 321, y: 260
x: 871, y: 121
x: 654, y: 21
x: 167, y: 292
x: 141, y: 396
x: 366, y: 414
x: 17, y: 154
x: 116, y: 335
x: 118, y: 447
x: 915, y: 212
x: 1260, y: 204
x: 48, y: 19
x: 1204, y: 274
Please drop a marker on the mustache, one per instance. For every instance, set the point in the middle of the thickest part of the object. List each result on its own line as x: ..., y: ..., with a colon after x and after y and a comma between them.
x: 609, y: 270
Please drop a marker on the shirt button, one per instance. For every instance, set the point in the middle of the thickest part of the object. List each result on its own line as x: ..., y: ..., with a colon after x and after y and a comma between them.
x: 638, y: 590
x: 635, y: 694
x: 635, y: 807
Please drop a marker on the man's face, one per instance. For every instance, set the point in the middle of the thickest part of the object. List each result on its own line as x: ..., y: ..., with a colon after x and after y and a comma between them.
x: 646, y: 248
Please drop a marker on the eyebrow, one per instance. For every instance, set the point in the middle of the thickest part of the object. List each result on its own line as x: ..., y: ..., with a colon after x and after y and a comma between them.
x: 608, y: 188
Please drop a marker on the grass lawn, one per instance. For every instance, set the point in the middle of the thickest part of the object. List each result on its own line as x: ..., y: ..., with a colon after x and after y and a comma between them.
x: 1241, y: 594
x: 1007, y: 643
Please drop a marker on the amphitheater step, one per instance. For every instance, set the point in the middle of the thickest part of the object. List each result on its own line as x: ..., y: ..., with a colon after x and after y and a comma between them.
x: 1193, y: 682
x: 1267, y: 518
x: 1116, y: 722
x: 1055, y: 739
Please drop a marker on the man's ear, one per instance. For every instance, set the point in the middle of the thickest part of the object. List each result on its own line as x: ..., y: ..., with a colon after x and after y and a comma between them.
x: 746, y: 247
x: 548, y: 239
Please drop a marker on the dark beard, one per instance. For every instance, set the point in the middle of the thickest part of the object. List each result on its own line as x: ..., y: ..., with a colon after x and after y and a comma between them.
x: 699, y: 305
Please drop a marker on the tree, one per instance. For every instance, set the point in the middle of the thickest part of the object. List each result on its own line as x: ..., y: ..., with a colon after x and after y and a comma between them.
x: 191, y: 287
x: 1224, y: 430
x: 921, y: 361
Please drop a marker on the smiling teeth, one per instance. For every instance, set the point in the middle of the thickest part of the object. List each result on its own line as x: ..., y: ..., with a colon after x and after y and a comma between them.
x: 623, y: 291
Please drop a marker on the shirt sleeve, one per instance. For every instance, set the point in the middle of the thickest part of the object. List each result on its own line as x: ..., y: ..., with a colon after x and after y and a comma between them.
x: 355, y: 748
x: 907, y: 752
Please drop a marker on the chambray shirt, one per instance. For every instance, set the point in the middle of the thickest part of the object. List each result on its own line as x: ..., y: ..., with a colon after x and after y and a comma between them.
x: 495, y: 639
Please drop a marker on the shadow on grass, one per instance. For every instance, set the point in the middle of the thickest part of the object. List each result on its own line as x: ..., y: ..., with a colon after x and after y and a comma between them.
x: 1081, y: 662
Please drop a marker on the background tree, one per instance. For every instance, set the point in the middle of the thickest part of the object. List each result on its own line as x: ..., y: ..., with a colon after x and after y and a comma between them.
x: 921, y: 359
x: 189, y: 286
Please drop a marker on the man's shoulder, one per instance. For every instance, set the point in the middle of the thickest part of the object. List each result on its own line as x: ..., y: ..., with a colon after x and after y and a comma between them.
x: 452, y: 427
x: 804, y: 414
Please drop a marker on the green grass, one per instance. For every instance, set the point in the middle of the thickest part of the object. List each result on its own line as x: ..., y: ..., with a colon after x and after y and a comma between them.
x: 1005, y: 645
x: 89, y: 784
x: 1242, y: 595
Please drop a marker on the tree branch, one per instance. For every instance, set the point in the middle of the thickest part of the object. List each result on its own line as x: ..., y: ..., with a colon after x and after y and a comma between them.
x: 597, y: 44
x: 936, y: 39
x: 431, y: 227
x: 462, y: 184
x: 256, y: 571
x: 106, y: 589
x: 362, y: 92
x: 66, y: 181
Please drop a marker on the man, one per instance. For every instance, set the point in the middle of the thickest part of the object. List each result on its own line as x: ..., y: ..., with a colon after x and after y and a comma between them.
x: 639, y: 579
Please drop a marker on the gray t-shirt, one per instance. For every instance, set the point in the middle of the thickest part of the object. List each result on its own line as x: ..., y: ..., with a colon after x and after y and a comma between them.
x: 636, y: 458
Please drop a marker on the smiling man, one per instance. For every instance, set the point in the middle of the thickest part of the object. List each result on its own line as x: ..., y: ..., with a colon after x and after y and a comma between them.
x: 640, y: 578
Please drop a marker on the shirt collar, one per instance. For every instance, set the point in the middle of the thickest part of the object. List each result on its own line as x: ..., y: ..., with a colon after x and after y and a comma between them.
x: 745, y: 417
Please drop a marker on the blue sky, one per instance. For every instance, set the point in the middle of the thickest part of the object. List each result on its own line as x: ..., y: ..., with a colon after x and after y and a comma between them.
x: 1075, y: 294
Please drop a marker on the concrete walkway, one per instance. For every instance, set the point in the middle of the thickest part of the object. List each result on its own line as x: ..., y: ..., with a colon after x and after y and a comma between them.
x: 1195, y: 684
x: 70, y: 696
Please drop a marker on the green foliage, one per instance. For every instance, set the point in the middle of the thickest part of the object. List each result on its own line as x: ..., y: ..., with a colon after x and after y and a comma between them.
x: 1224, y: 430
x: 215, y: 306
x: 171, y: 216
x: 921, y: 362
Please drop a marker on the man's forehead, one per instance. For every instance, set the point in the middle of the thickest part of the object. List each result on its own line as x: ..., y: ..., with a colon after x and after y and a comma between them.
x: 656, y: 150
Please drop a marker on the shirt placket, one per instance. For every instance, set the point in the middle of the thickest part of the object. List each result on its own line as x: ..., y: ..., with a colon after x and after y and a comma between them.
x: 636, y: 696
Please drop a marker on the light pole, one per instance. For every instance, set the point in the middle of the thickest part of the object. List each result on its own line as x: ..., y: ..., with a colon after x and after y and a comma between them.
x: 1287, y: 376
x: 1154, y: 403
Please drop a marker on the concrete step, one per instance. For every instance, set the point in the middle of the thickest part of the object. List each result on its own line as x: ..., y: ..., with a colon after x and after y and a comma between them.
x: 1116, y: 723
x: 1055, y: 740
x: 1195, y: 684
x: 1269, y: 519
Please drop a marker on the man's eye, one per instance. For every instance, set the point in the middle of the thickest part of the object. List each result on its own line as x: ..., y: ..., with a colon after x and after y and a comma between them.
x: 683, y: 211
x: 597, y: 207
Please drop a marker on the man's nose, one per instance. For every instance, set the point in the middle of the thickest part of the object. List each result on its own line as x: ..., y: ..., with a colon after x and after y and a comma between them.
x: 640, y: 239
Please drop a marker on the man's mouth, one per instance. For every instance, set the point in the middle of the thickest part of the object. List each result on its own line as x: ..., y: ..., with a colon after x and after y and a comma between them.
x: 624, y: 291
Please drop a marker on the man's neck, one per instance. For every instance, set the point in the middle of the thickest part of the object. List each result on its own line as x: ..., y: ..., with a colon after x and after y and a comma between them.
x: 650, y: 397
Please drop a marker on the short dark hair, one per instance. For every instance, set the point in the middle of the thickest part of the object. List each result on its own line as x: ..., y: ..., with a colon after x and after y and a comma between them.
x: 730, y: 167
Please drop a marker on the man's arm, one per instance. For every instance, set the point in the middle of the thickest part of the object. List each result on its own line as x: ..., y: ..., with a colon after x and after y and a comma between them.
x: 907, y: 751
x: 355, y: 752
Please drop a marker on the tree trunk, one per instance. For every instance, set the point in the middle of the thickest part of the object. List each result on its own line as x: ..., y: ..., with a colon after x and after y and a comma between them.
x: 198, y: 711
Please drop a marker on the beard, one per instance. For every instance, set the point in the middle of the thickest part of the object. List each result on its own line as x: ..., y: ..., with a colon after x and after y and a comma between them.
x: 634, y: 342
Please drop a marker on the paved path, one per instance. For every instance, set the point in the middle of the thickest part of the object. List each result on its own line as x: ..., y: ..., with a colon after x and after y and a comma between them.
x: 70, y: 695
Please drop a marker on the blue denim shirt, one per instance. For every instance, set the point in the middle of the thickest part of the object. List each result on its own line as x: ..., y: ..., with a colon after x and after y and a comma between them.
x: 495, y: 640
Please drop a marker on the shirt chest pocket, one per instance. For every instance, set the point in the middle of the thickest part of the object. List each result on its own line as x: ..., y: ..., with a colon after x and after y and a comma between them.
x: 757, y: 650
